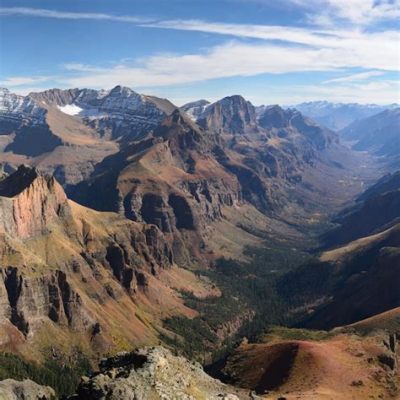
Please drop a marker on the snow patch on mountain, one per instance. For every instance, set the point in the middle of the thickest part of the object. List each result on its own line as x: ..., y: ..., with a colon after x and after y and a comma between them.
x: 70, y: 109
x: 195, y: 108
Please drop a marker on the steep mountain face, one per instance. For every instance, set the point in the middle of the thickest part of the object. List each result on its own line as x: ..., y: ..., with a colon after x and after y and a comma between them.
x: 73, y: 275
x: 231, y: 115
x: 351, y: 275
x: 35, y: 133
x: 29, y: 203
x: 376, y: 209
x: 337, y: 116
x: 23, y: 115
x: 379, y: 134
x: 281, y: 121
x: 340, y: 285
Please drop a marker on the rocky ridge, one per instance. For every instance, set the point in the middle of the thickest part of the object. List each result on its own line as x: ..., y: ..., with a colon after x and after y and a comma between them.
x: 154, y: 373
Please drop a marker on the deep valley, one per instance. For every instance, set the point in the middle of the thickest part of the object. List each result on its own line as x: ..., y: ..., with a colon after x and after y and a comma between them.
x: 233, y: 235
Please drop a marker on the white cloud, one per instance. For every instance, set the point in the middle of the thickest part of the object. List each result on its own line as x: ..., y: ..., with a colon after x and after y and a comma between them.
x: 24, y: 80
x: 376, y: 51
x: 361, y: 12
x: 44, y: 13
x: 81, y: 67
x: 356, y: 77
x: 279, y: 49
x: 309, y: 37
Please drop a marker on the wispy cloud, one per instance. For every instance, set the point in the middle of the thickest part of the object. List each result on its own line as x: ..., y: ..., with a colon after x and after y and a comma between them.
x: 277, y: 50
x: 45, y: 13
x: 14, y: 81
x: 234, y: 58
x: 371, y: 51
x: 309, y: 37
x: 362, y: 76
x: 361, y: 12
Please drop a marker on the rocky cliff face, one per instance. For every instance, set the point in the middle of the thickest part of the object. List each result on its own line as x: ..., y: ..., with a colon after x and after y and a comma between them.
x: 60, y: 261
x: 29, y: 202
x: 231, y: 115
x: 153, y: 373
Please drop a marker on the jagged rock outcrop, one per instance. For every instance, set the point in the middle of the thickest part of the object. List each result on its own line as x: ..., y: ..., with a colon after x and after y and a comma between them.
x: 154, y: 373
x: 11, y: 389
x: 29, y: 202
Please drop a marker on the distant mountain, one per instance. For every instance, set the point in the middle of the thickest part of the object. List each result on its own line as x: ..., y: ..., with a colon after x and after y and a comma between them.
x: 119, y: 113
x: 379, y: 135
x: 337, y: 116
x: 18, y: 110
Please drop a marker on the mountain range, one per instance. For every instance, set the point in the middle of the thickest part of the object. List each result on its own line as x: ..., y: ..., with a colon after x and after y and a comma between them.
x: 128, y: 221
x: 338, y: 116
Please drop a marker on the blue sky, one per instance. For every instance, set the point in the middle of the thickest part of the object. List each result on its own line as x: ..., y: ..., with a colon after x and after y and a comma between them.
x: 269, y: 51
